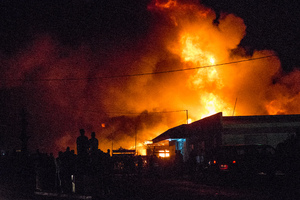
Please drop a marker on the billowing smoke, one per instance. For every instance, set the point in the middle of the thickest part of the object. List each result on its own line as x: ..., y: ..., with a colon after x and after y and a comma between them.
x: 132, y: 94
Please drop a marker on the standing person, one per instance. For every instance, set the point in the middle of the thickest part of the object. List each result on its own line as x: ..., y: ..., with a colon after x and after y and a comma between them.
x: 82, y: 144
x: 66, y: 173
x: 95, y: 168
x: 82, y: 161
x: 93, y: 143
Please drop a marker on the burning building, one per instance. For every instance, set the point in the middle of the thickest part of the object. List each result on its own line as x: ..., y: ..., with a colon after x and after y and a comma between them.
x: 216, y: 130
x: 135, y: 67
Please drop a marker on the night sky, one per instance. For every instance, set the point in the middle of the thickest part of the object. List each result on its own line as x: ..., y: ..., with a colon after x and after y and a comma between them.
x: 53, y: 51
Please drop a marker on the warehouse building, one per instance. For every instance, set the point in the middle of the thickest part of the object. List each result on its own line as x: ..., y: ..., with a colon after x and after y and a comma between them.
x: 217, y: 130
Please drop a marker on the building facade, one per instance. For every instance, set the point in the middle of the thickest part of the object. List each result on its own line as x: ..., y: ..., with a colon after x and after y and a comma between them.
x: 205, y: 134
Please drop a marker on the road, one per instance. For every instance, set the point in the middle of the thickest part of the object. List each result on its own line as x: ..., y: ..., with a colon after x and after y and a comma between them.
x: 148, y: 188
x: 184, y: 188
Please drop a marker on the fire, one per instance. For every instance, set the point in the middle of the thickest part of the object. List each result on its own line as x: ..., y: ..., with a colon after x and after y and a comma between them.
x: 212, y: 61
x: 274, y: 107
x: 165, y: 4
x: 212, y: 104
x: 164, y: 153
x: 182, y: 39
x: 140, y: 148
x: 191, y: 51
x: 190, y: 40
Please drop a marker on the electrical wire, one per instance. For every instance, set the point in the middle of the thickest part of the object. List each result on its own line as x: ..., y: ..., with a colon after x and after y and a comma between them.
x: 139, y: 74
x: 132, y: 113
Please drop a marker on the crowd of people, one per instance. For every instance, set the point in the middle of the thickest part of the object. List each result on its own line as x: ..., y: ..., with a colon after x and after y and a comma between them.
x: 66, y: 173
x: 72, y: 170
x: 72, y: 173
x: 89, y: 168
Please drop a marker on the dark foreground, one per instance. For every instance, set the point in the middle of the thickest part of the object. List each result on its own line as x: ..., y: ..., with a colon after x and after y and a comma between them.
x: 129, y: 187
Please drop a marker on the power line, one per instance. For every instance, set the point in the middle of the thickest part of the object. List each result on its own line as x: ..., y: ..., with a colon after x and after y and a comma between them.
x: 140, y: 74
x: 132, y: 113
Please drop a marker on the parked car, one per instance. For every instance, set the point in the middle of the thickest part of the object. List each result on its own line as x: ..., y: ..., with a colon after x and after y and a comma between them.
x: 239, y: 160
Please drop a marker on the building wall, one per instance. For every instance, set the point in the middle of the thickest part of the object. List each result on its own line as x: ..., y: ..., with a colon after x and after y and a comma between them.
x: 272, y: 139
x: 215, y: 130
x: 268, y: 129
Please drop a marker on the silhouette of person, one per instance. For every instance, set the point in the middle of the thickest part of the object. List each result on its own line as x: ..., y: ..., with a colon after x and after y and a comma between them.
x: 93, y: 143
x: 82, y: 157
x: 82, y: 144
x: 66, y: 170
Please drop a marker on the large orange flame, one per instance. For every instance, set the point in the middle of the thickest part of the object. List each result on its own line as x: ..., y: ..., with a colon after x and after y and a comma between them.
x: 185, y: 43
x: 239, y: 88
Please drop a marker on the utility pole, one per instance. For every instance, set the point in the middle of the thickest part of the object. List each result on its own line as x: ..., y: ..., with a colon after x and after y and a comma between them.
x: 112, y: 146
x: 187, y: 116
x: 112, y: 143
x: 135, y: 137
x: 234, y: 107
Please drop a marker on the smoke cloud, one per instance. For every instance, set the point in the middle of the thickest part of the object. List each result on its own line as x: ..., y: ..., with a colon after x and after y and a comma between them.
x: 64, y: 88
